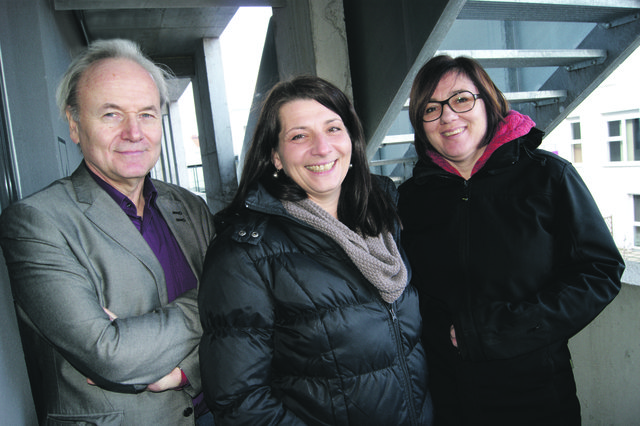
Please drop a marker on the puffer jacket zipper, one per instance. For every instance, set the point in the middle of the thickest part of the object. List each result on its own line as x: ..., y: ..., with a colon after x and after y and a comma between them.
x: 406, y: 377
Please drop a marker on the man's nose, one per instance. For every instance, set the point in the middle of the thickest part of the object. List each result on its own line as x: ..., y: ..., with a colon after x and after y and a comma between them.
x: 131, y: 130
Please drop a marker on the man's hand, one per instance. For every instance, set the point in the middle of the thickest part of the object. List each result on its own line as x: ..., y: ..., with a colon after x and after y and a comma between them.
x: 452, y: 335
x: 172, y: 380
x: 112, y: 316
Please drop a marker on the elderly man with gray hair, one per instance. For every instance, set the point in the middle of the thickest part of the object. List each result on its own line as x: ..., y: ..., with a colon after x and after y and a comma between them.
x: 105, y: 264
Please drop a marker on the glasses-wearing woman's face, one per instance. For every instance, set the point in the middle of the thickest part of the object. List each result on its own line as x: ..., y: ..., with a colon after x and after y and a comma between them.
x: 314, y: 150
x: 457, y: 135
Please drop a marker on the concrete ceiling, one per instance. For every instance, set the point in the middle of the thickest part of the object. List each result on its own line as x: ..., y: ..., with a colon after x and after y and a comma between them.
x: 169, y: 31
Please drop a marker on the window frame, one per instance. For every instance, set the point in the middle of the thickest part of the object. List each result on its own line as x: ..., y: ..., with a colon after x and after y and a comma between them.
x: 625, y: 153
x: 636, y: 220
x: 576, y: 141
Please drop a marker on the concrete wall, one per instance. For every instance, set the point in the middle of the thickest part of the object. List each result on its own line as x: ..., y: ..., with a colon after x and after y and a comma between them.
x: 606, y: 360
x: 16, y: 404
x: 36, y: 47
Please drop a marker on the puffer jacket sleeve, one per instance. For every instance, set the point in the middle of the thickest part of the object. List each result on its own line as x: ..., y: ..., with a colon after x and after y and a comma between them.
x: 587, y: 270
x: 237, y: 314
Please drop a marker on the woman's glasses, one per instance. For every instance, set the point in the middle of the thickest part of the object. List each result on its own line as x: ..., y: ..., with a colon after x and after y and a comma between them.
x: 460, y: 102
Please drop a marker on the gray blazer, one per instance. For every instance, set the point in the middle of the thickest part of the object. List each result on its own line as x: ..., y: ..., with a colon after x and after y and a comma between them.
x: 70, y: 251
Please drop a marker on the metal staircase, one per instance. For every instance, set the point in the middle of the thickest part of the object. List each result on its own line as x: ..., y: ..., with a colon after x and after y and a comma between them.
x: 545, y: 55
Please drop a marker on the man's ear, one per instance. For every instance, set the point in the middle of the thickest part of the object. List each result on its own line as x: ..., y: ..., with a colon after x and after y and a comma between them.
x: 73, y: 126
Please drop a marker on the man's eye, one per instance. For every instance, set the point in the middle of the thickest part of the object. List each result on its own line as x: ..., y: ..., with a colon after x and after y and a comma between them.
x: 111, y: 116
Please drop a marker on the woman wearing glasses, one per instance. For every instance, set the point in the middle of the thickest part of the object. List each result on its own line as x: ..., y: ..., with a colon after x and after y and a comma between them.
x: 509, y: 252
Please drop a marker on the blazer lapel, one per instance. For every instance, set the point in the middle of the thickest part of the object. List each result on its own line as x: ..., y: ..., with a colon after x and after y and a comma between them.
x: 174, y: 213
x: 109, y: 217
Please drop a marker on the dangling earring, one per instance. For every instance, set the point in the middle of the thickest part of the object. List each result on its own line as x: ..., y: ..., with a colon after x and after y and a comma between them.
x: 350, y: 166
x: 276, y: 174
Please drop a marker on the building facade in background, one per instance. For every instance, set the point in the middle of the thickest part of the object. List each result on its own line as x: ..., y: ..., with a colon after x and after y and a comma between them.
x: 602, y: 139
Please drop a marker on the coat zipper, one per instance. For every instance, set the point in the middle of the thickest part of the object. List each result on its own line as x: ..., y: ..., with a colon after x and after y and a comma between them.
x: 464, y: 235
x: 403, y: 363
x: 464, y: 254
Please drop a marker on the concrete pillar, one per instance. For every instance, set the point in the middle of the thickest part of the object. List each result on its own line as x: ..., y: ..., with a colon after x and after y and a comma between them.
x: 304, y: 37
x: 167, y: 157
x: 175, y: 125
x: 214, y: 127
x: 310, y: 38
x: 329, y: 37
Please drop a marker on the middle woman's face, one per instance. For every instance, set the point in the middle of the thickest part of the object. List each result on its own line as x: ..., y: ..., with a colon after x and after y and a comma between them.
x: 457, y: 136
x: 314, y: 150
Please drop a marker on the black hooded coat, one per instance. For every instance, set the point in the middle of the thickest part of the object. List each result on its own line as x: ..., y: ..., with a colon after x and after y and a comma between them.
x: 518, y: 259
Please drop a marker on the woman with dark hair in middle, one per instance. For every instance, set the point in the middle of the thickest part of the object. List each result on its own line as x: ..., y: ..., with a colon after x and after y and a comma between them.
x: 307, y: 313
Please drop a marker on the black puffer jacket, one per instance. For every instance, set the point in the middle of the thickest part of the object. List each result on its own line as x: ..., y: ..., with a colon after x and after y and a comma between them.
x: 518, y: 259
x: 294, y: 334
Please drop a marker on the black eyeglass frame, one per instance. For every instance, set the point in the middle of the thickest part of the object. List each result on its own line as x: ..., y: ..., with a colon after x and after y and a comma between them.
x: 446, y: 102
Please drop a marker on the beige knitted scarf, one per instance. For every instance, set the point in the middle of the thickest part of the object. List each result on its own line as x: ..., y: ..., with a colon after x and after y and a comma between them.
x: 377, y: 258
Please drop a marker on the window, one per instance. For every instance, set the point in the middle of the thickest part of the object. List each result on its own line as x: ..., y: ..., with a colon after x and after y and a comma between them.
x: 576, y: 143
x: 615, y: 144
x: 636, y: 220
x: 624, y: 140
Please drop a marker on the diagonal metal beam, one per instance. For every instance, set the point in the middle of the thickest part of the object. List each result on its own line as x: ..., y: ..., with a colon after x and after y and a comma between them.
x: 619, y: 42
x: 549, y: 10
x: 518, y: 58
x: 159, y: 4
x: 388, y: 43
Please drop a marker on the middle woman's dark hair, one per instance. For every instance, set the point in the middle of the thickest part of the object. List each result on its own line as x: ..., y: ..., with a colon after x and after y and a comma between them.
x: 361, y: 208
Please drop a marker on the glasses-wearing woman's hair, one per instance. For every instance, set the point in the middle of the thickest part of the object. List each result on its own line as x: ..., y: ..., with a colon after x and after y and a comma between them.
x: 359, y: 207
x: 427, y: 80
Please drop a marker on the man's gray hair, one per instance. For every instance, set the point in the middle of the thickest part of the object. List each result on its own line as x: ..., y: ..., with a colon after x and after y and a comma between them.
x: 67, y: 92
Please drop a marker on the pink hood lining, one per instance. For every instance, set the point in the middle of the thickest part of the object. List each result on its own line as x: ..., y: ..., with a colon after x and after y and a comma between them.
x: 513, y: 126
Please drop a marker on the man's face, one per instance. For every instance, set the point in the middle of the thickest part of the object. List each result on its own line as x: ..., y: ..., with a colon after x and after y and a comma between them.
x: 120, y: 122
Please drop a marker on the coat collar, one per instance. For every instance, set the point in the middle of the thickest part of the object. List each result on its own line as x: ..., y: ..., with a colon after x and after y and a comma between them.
x: 248, y: 224
x: 504, y: 156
